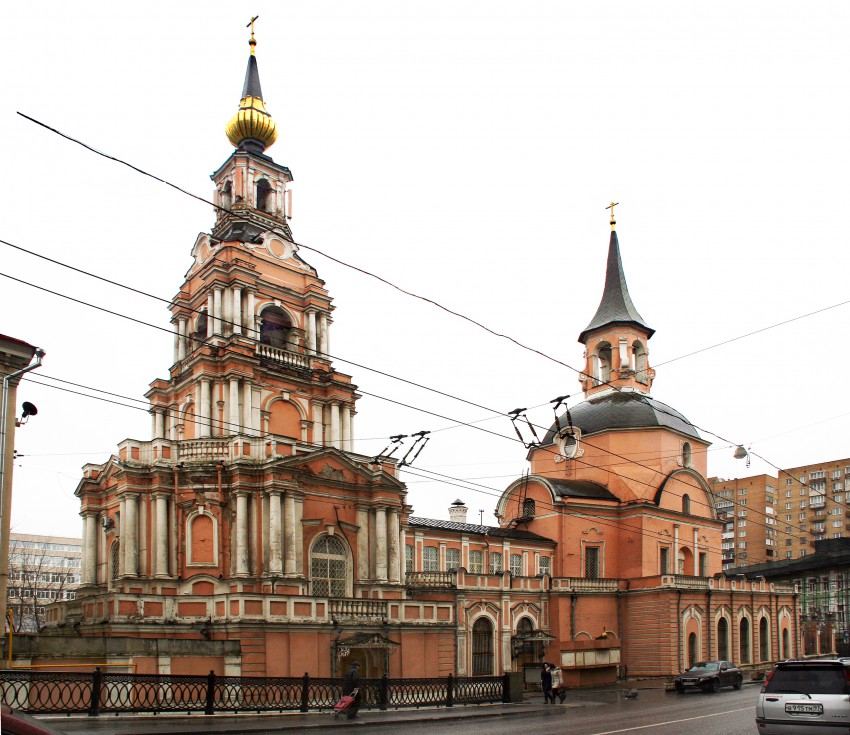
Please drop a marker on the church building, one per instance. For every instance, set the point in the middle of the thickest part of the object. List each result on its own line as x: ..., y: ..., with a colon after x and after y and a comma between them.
x: 246, y: 536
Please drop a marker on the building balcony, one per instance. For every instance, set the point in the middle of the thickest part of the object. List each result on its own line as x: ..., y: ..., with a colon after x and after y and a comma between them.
x: 283, y: 358
x: 357, y: 610
x: 580, y: 584
x: 430, y: 580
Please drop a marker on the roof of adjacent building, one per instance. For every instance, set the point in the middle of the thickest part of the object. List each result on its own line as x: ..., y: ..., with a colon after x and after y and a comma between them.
x: 616, y: 306
x: 492, y: 531
x: 828, y: 553
x: 622, y: 410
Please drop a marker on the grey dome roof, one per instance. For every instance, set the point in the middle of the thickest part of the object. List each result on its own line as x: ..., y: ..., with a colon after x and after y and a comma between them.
x: 622, y: 410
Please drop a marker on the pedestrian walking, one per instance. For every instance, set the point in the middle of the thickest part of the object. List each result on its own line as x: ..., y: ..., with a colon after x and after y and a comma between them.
x: 546, y: 684
x: 351, y: 685
x: 558, y: 685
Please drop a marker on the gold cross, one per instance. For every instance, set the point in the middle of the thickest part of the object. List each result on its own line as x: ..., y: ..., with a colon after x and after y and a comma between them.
x: 611, y: 207
x: 250, y: 25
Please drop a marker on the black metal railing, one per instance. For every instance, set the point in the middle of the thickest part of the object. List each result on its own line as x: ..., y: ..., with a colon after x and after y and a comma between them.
x: 96, y: 692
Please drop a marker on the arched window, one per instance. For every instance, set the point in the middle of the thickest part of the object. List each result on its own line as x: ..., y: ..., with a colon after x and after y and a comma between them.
x: 275, y: 327
x: 745, y: 641
x: 199, y: 334
x: 116, y: 559
x: 408, y: 558
x: 264, y: 196
x: 786, y: 644
x: 452, y: 559
x: 482, y: 648
x: 604, y: 353
x: 686, y: 503
x: 227, y: 195
x: 495, y: 562
x: 687, y: 456
x: 723, y: 639
x: 529, y: 508
x: 692, y: 649
x: 430, y: 562
x: 639, y: 352
x: 764, y: 640
x: 328, y: 567
x: 476, y: 562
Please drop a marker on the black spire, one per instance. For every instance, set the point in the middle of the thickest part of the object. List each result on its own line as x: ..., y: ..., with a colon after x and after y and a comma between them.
x: 252, y: 88
x: 616, y: 306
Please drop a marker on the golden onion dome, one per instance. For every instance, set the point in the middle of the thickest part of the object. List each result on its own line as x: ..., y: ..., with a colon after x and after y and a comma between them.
x: 252, y: 127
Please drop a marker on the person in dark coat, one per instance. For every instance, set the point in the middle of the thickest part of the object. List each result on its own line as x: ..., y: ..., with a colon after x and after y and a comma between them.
x: 351, y: 683
x: 546, y: 683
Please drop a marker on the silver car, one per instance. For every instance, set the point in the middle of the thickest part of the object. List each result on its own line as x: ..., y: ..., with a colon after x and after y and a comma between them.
x: 805, y: 698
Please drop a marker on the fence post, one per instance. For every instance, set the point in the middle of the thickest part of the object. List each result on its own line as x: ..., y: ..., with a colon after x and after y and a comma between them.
x: 450, y: 694
x: 305, y: 693
x: 506, y: 688
x: 94, y: 702
x: 384, y: 693
x: 210, y: 708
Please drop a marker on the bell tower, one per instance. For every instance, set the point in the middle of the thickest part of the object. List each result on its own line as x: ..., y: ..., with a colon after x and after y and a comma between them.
x: 252, y: 319
x: 616, y: 354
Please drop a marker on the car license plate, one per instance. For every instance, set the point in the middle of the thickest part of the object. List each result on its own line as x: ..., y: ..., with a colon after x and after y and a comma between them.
x: 815, y: 708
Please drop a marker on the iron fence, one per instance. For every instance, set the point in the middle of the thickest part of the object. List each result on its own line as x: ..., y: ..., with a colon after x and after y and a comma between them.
x: 99, y: 692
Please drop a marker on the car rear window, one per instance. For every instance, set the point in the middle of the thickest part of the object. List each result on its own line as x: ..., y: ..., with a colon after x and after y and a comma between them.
x: 808, y: 680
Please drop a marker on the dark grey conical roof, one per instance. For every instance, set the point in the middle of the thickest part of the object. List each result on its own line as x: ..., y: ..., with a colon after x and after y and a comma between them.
x: 616, y: 306
x: 252, y: 88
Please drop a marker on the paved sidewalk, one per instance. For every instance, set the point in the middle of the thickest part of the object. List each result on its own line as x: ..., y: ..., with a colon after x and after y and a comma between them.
x: 197, y: 724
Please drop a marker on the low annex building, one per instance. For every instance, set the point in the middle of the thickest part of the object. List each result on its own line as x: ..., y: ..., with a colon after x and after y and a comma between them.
x: 247, y: 537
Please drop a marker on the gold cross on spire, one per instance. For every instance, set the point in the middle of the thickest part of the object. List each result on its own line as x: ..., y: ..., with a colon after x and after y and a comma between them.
x: 252, y: 43
x: 611, y: 207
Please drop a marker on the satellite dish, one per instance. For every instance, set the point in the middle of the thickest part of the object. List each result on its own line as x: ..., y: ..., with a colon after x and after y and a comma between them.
x: 29, y: 410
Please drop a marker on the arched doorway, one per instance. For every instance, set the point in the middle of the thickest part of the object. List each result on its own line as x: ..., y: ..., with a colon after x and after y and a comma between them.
x: 723, y: 639
x: 692, y: 649
x: 482, y: 647
x: 745, y: 641
x: 764, y: 640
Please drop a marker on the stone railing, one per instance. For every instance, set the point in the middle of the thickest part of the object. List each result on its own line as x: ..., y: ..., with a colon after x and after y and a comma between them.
x: 204, y: 450
x: 685, y: 581
x: 284, y: 358
x: 430, y: 579
x: 580, y: 584
x: 355, y: 609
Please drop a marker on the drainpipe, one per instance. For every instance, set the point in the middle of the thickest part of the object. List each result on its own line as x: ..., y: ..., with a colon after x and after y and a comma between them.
x: 710, y: 622
x: 573, y: 599
x: 679, y: 630
x: 6, y: 492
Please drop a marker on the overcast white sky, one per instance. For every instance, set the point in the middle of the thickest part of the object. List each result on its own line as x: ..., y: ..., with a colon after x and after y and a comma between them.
x: 466, y: 151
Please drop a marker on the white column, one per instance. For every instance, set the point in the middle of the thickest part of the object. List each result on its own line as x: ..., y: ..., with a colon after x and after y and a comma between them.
x: 323, y: 335
x: 250, y: 321
x: 345, y: 442
x: 234, y: 427
x: 181, y: 339
x: 381, y: 544
x: 299, y: 535
x: 122, y: 536
x: 217, y: 310
x: 161, y: 500
x: 275, y: 549
x: 205, y: 407
x: 402, y: 564
x: 362, y: 543
x: 89, y: 571
x: 393, y: 545
x: 153, y: 423
x: 675, y: 548
x: 158, y: 423
x: 696, y: 552
x: 247, y: 421
x: 237, y: 310
x: 351, y: 431
x: 176, y: 342
x: 311, y: 332
x: 289, y: 534
x: 131, y: 535
x: 241, y: 535
x: 318, y: 424
x: 335, y: 439
x: 226, y: 311
x: 210, y: 314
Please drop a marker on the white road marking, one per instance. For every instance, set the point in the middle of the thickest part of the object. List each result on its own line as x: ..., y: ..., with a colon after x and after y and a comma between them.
x: 673, y: 722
